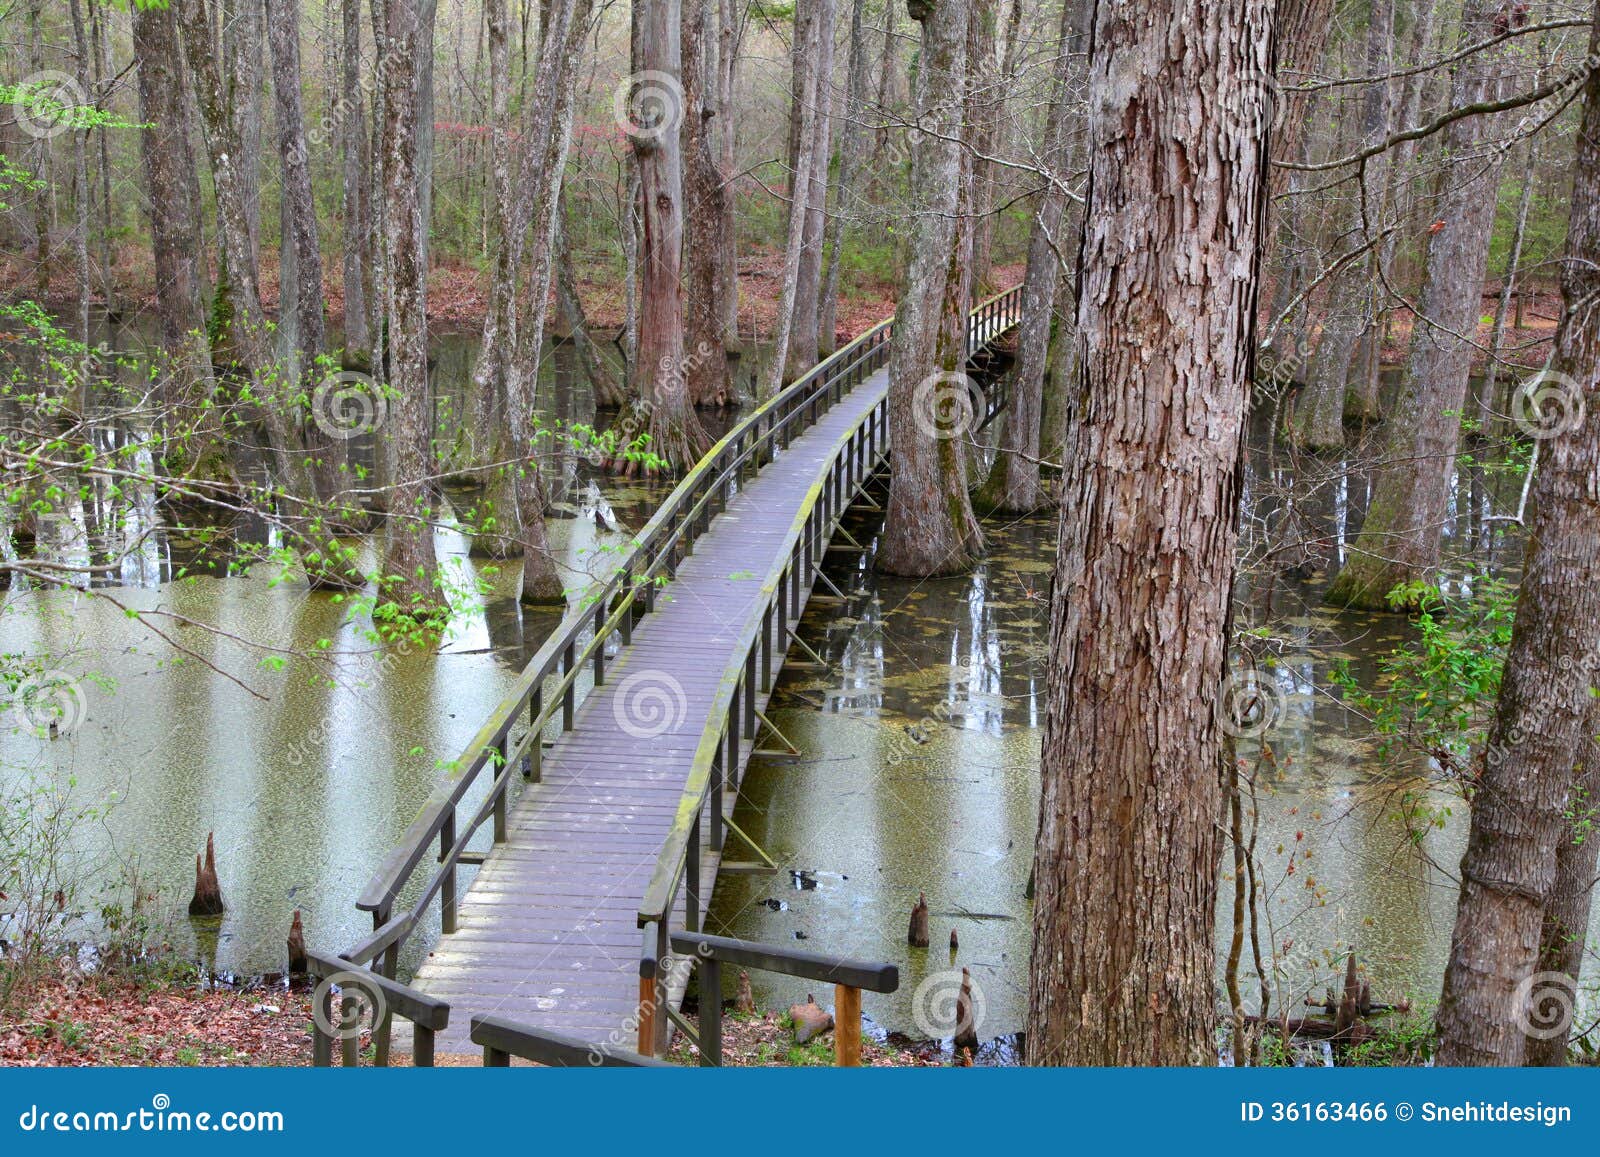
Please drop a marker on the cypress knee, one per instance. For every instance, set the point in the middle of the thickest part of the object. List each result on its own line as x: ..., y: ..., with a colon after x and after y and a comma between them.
x: 917, y: 936
x: 297, y: 946
x: 966, y: 1026
x: 744, y: 1000
x: 207, y: 891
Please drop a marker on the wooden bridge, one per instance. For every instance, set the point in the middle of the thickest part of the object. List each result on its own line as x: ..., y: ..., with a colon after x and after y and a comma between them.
x: 628, y: 735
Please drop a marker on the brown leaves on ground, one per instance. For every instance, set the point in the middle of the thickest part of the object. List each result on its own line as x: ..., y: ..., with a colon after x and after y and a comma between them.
x: 94, y: 1021
x: 768, y: 1040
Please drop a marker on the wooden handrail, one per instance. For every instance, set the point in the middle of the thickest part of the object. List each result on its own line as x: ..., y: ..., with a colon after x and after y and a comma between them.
x: 661, y: 893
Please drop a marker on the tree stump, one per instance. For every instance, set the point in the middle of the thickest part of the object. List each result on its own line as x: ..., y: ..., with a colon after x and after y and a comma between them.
x: 207, y: 891
x: 917, y: 935
x: 297, y: 947
x: 810, y: 1020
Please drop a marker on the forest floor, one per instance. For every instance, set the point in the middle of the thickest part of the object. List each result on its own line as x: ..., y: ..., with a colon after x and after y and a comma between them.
x: 85, y: 1020
x: 458, y: 293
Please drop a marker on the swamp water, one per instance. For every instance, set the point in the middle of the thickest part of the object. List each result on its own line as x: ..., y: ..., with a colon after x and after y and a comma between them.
x: 917, y: 768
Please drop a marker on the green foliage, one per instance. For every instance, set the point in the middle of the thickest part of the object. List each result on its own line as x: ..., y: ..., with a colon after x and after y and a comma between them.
x: 1435, y: 696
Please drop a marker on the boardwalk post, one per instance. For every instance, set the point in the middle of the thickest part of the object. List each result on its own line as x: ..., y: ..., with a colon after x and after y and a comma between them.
x: 447, y: 889
x: 600, y: 644
x: 718, y: 762
x: 750, y: 695
x: 710, y: 1012
x: 533, y: 767
x: 569, y: 703
x: 846, y: 1026
x: 500, y: 793
x: 649, y: 966
x: 691, y: 879
x: 766, y: 644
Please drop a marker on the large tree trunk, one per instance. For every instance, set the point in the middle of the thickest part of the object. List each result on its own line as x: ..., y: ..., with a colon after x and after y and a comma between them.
x: 243, y: 49
x: 300, y: 296
x: 354, y: 142
x: 1539, y: 731
x: 174, y: 185
x: 1400, y: 540
x: 409, y: 564
x: 676, y: 436
x: 710, y: 379
x: 1013, y: 484
x: 1319, y: 410
x: 804, y: 341
x: 1564, y: 939
x: 930, y: 528
x: 728, y: 30
x: 803, y: 139
x: 850, y: 156
x: 1122, y: 969
x: 558, y: 65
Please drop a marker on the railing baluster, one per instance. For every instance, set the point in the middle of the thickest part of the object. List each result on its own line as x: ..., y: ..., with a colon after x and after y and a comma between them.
x: 711, y: 1012
x: 499, y: 767
x: 533, y: 762
x: 569, y: 697
x: 691, y: 879
x: 447, y: 890
x: 600, y: 644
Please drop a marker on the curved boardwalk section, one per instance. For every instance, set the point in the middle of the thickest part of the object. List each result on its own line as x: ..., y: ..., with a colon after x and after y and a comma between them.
x: 621, y: 825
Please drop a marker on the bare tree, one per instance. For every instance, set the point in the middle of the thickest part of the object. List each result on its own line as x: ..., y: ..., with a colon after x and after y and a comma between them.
x: 1400, y: 539
x: 1540, y: 730
x: 1122, y: 970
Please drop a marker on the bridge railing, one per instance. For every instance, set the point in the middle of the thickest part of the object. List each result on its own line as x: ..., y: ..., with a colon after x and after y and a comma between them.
x: 733, y: 712
x: 547, y: 691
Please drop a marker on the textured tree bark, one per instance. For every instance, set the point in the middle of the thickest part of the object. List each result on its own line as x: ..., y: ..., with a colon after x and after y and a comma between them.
x: 676, y: 435
x: 804, y: 339
x: 1122, y: 969
x: 301, y: 295
x: 353, y: 142
x: 1400, y: 540
x: 174, y: 185
x: 850, y: 150
x: 1013, y: 484
x: 243, y: 339
x: 929, y: 528
x: 1539, y: 732
x: 410, y: 564
x: 1563, y: 940
x: 563, y: 40
x: 1319, y: 410
x: 728, y: 36
x: 802, y: 136
x: 1303, y: 27
x: 710, y: 378
x: 243, y: 50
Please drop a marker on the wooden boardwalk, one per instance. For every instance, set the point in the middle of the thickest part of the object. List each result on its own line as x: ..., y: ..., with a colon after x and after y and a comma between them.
x: 548, y: 930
